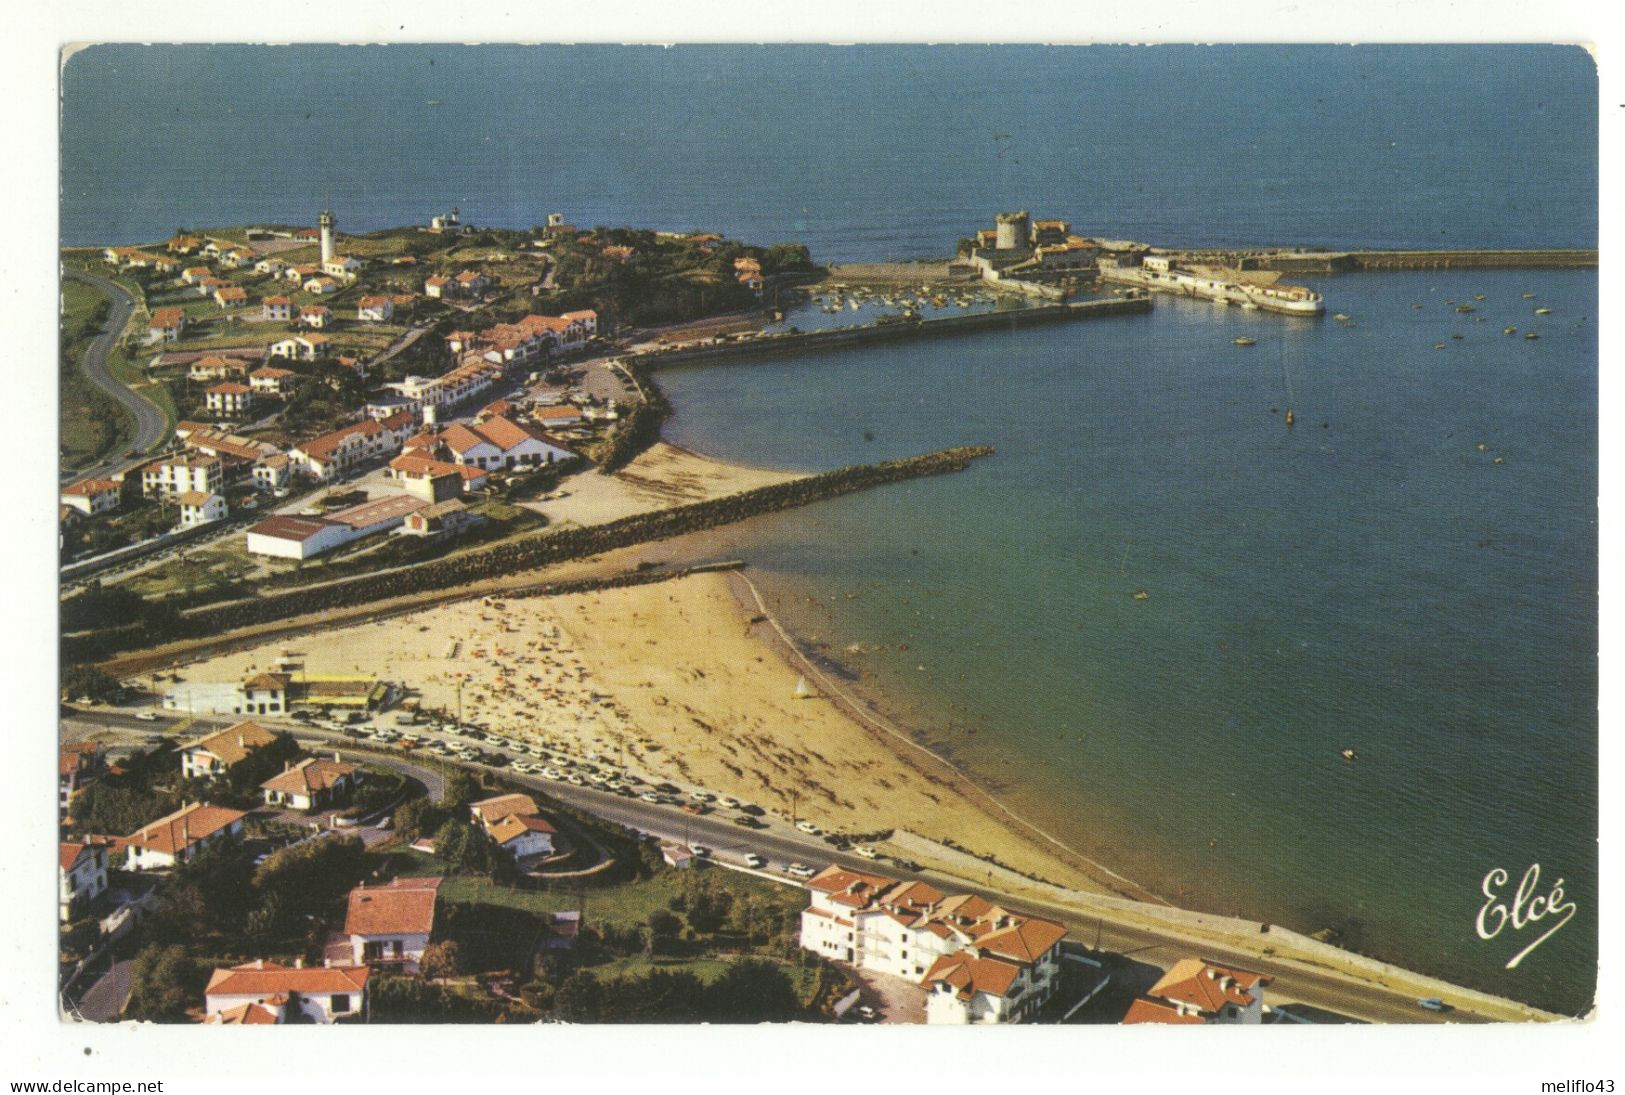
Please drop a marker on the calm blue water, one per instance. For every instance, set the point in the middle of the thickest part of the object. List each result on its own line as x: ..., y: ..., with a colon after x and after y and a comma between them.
x: 862, y: 153
x: 1370, y: 578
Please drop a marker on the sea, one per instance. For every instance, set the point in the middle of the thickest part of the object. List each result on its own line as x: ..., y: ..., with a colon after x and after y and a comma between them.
x: 1156, y: 618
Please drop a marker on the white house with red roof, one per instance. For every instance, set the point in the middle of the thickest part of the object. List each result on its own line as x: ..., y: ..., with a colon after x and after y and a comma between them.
x: 179, y: 474
x: 343, y: 267
x: 320, y: 286
x: 179, y: 836
x: 334, y: 453
x: 79, y: 763
x: 500, y: 442
x: 81, y: 875
x: 389, y: 925
x: 231, y: 296
x: 300, y: 347
x: 93, y: 496
x: 375, y: 309
x: 200, y: 508
x: 312, y: 784
x: 1199, y: 991
x: 514, y: 823
x: 266, y: 993
x: 435, y: 480
x: 218, y: 753
x: 437, y: 287
x: 167, y: 324
x: 229, y: 399
x: 314, y: 316
x: 272, y: 381
x: 979, y: 962
x: 277, y: 308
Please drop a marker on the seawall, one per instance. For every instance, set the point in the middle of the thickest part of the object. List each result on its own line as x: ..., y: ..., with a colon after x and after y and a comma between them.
x: 1338, y: 262
x: 896, y: 331
x: 542, y: 549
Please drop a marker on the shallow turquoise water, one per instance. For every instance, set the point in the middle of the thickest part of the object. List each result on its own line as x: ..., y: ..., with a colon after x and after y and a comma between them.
x: 1366, y: 579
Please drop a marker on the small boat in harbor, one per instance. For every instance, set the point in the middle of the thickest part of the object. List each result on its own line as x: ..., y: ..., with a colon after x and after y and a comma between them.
x: 1349, y: 754
x: 1141, y: 595
x: 1543, y: 311
x: 1245, y: 341
x: 1478, y: 296
x: 1465, y: 308
x: 1341, y: 317
x: 1529, y: 296
x: 1289, y: 418
x: 1510, y: 331
x: 1530, y: 335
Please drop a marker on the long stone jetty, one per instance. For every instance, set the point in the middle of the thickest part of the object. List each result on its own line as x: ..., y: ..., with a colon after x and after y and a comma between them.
x: 897, y: 330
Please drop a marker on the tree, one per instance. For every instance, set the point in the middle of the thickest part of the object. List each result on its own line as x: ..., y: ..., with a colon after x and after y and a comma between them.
x: 211, y: 893
x: 752, y: 990
x: 164, y: 983
x: 462, y: 787
x: 88, y: 682
x: 465, y: 847
x: 310, y: 878
x: 419, y: 817
x: 580, y: 999
x: 107, y: 806
x: 440, y: 961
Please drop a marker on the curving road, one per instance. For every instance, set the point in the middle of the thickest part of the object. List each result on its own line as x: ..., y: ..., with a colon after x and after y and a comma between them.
x: 150, y: 423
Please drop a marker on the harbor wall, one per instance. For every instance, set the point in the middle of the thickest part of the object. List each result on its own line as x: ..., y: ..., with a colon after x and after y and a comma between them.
x: 895, y: 332
x: 1337, y: 262
x: 542, y: 549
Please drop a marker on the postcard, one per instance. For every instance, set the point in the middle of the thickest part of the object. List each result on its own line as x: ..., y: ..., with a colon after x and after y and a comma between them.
x: 870, y: 535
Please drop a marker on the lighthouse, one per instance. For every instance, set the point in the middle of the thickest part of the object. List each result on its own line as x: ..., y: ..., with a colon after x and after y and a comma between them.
x: 326, y: 223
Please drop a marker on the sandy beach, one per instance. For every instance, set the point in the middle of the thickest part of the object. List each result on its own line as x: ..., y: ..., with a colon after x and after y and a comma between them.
x: 674, y: 681
x: 663, y: 475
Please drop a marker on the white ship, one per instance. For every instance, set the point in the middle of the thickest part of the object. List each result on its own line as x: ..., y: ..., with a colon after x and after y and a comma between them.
x: 1156, y: 272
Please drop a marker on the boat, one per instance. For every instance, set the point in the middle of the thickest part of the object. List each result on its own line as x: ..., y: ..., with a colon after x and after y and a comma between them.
x: 1530, y: 335
x: 1510, y: 331
x: 1245, y: 341
x: 1543, y: 311
x: 1341, y: 317
x: 1289, y: 416
x: 1465, y: 308
x: 1458, y: 336
x: 1478, y: 296
x: 1350, y: 754
x: 1438, y: 345
x: 1498, y: 459
x: 1141, y: 595
x: 1529, y: 296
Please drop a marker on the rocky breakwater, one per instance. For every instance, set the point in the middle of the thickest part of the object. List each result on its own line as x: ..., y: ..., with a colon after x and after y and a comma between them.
x: 547, y: 548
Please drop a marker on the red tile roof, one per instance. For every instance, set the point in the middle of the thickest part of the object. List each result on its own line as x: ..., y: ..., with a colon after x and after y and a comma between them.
x: 495, y: 809
x: 69, y: 851
x: 310, y: 775
x: 243, y: 1015
x: 970, y: 975
x: 165, y: 318
x: 230, y: 388
x: 1158, y: 1011
x: 265, y: 979
x: 90, y: 487
x: 1208, y: 985
x: 234, y: 743
x: 291, y: 527
x: 516, y: 825
x: 402, y: 907
x: 181, y: 829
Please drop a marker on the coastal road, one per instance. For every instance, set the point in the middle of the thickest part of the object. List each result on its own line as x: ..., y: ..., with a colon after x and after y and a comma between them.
x: 1331, y: 989
x: 150, y: 423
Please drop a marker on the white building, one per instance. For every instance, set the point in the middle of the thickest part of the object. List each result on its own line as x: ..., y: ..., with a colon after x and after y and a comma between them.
x: 287, y: 536
x: 312, y: 784
x: 198, y: 508
x: 181, y: 474
x: 277, y: 308
x: 514, y: 823
x: 343, y: 267
x: 230, y: 399
x: 81, y: 875
x: 93, y: 496
x: 502, y: 443
x: 220, y: 752
x: 375, y: 309
x: 274, y: 473
x: 269, y: 380
x: 179, y: 836
x: 262, y: 992
x: 1200, y: 991
x: 389, y: 925
x: 980, y: 963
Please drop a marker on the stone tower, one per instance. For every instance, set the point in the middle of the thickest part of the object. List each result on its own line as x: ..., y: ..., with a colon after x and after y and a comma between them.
x: 1013, y: 230
x: 326, y: 222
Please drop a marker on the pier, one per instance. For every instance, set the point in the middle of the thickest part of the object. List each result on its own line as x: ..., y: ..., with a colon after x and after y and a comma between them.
x: 1338, y: 262
x: 898, y: 330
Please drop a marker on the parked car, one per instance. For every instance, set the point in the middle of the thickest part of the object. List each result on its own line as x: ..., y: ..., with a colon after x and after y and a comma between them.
x: 649, y: 796
x: 867, y: 852
x: 808, y: 827
x: 147, y: 716
x: 748, y: 823
x: 756, y: 861
x: 799, y: 870
x: 1432, y: 1003
x: 700, y: 850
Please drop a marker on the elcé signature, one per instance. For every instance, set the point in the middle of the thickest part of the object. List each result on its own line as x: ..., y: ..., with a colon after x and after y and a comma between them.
x: 1527, y: 908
